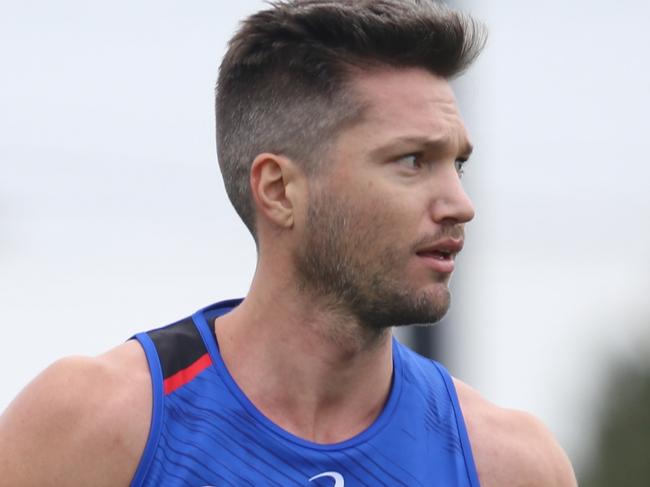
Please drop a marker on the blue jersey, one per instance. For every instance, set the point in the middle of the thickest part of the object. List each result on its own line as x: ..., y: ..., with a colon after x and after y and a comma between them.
x: 206, y: 432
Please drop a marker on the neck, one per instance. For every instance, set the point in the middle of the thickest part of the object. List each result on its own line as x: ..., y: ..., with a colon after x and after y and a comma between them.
x: 309, y: 368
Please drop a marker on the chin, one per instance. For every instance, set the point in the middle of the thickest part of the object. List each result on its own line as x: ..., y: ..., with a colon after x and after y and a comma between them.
x: 438, y: 302
x: 437, y: 293
x: 424, y: 308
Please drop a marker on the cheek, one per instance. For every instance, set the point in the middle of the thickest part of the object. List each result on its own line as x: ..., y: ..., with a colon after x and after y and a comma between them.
x: 384, y: 221
x: 399, y: 204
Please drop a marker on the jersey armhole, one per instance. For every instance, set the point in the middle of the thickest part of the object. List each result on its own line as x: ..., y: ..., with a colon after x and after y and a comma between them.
x: 155, y: 371
x: 470, y: 466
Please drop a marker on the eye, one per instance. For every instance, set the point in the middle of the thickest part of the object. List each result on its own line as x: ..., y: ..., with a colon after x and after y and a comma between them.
x: 410, y: 161
x: 460, y: 166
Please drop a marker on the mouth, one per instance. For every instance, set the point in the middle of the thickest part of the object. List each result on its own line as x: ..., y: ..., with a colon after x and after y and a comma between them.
x: 437, y: 254
x: 440, y: 256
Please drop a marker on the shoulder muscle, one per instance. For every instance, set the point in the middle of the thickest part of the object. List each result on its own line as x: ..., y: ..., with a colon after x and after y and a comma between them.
x: 512, y: 448
x: 83, y: 421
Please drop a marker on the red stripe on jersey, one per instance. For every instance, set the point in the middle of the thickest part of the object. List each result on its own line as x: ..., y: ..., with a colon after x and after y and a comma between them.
x: 182, y: 377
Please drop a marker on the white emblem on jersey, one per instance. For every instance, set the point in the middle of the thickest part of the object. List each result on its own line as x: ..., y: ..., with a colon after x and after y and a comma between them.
x: 338, y: 478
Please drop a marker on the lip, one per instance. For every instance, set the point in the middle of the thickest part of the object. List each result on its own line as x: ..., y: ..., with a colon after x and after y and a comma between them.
x: 440, y: 255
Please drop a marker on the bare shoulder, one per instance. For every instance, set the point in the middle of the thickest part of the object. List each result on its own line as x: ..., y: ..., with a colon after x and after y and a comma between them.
x: 82, y: 421
x: 512, y: 448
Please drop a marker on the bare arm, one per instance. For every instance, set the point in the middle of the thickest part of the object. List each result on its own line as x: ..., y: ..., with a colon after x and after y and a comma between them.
x: 83, y: 421
x: 512, y: 448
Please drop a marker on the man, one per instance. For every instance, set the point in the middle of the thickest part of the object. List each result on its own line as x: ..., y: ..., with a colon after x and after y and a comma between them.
x: 342, y: 149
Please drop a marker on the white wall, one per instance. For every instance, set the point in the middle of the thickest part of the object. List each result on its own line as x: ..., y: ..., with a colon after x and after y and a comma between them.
x: 113, y: 217
x: 554, y: 283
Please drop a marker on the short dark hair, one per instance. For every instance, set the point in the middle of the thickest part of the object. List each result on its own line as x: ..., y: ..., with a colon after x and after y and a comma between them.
x: 282, y: 85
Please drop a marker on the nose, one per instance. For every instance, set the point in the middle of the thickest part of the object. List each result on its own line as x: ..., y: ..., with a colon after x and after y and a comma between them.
x: 451, y: 204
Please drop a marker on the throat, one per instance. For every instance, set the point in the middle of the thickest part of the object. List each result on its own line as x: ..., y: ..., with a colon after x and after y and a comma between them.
x: 316, y: 377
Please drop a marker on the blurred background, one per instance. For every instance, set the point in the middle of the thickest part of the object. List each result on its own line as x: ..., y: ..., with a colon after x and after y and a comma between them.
x: 113, y: 217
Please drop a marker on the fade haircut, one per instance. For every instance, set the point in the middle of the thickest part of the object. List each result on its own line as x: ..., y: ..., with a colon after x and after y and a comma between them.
x: 284, y: 85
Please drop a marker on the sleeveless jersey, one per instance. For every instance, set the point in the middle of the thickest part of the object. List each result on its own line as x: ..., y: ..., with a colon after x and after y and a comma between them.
x: 206, y: 432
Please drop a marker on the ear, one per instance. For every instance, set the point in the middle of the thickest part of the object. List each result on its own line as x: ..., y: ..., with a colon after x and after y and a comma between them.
x: 275, y: 187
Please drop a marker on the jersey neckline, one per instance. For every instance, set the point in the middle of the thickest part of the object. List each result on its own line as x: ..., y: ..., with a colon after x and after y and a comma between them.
x: 203, y: 319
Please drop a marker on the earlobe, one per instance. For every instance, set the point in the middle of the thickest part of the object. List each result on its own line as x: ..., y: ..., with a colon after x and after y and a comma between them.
x: 272, y: 178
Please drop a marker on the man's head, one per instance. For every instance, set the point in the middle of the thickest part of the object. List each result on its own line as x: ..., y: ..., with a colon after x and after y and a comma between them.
x: 386, y: 219
x: 356, y: 95
x: 284, y: 84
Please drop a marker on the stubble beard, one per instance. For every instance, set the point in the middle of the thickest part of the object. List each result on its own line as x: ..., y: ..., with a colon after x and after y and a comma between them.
x: 342, y: 265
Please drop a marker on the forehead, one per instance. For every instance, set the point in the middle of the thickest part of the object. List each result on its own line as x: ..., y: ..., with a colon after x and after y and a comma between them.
x: 408, y: 103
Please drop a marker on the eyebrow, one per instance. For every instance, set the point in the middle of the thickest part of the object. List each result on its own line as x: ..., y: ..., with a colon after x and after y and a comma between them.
x: 423, y: 143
